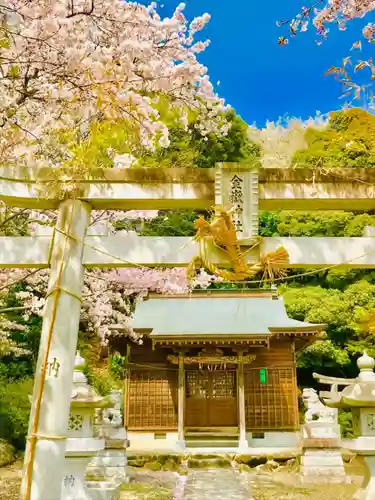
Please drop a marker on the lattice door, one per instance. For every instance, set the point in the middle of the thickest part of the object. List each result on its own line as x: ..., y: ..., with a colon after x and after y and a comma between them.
x: 153, y: 400
x: 211, y: 398
x: 273, y: 405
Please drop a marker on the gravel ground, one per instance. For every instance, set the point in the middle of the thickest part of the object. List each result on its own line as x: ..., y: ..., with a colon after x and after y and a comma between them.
x: 10, y: 481
x: 285, y: 486
x: 150, y: 485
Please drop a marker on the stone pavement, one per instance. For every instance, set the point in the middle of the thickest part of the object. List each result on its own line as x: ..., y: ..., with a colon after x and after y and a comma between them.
x: 212, y: 484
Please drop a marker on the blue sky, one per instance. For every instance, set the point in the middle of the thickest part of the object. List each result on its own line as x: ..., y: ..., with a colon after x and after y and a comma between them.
x: 261, y: 80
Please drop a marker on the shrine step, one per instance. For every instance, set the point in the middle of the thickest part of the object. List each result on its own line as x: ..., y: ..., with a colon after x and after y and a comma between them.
x: 211, y: 440
x: 205, y: 430
x: 213, y: 434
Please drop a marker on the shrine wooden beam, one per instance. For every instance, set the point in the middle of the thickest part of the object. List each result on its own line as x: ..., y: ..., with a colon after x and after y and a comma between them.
x: 183, y: 188
x: 127, y: 250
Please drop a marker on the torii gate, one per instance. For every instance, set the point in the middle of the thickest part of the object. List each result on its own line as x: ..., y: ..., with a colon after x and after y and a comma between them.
x: 69, y: 251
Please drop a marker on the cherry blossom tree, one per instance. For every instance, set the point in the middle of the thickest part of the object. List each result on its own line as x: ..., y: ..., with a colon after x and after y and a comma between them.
x: 321, y: 15
x: 108, y: 298
x: 66, y: 64
x: 70, y: 69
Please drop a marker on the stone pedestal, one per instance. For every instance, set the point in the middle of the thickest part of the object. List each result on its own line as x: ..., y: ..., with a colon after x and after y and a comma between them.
x: 322, y: 466
x: 359, y: 396
x: 111, y: 462
x: 367, y: 492
x: 73, y: 486
x: 321, y: 461
x: 364, y: 447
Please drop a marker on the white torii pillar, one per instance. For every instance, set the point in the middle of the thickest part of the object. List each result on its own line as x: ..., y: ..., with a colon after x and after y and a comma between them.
x: 45, y: 450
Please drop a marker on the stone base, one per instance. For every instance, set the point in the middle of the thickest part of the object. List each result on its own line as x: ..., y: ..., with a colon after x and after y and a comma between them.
x: 320, y: 430
x: 320, y: 435
x: 103, y: 490
x: 367, y: 491
x: 73, y: 484
x: 110, y: 464
x: 322, y: 466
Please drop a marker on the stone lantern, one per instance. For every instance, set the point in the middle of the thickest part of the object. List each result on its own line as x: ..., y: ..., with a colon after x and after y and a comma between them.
x: 359, y: 397
x: 111, y: 463
x: 81, y: 445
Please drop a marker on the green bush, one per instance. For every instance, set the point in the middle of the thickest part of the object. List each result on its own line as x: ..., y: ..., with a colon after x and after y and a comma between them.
x: 102, y: 381
x: 15, y: 411
x: 15, y: 369
x: 346, y: 423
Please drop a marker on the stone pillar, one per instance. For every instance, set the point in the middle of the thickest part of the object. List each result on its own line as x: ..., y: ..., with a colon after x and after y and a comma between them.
x: 243, y: 444
x: 45, y: 450
x: 181, y: 400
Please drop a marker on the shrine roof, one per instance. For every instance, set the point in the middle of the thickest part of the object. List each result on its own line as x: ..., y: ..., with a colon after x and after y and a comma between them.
x: 253, y: 314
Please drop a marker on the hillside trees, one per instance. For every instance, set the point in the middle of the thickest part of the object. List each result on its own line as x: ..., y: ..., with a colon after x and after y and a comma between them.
x: 348, y: 140
x: 340, y: 139
x: 195, y: 147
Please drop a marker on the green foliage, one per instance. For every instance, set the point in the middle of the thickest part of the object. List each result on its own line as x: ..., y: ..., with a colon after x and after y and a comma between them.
x: 190, y: 148
x: 15, y: 410
x: 179, y: 223
x: 117, y: 365
x: 15, y: 368
x: 101, y: 380
x: 344, y: 311
x: 13, y: 223
x: 103, y: 383
x: 337, y: 223
x: 357, y: 224
x: 28, y: 339
x: 268, y: 223
x: 346, y: 424
x: 234, y: 147
x: 322, y: 353
x: 94, y: 151
x: 104, y: 377
x: 347, y: 141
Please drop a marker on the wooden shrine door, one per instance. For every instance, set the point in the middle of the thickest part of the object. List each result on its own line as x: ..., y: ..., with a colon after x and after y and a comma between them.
x: 211, y: 398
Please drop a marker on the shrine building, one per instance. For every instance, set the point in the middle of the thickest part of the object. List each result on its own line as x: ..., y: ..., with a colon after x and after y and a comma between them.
x: 216, y: 370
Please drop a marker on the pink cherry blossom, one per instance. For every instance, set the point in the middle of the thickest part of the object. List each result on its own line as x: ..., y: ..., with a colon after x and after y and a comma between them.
x: 322, y: 13
x: 67, y: 62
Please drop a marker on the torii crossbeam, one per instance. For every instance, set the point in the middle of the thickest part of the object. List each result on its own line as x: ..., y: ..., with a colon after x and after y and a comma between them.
x: 71, y: 249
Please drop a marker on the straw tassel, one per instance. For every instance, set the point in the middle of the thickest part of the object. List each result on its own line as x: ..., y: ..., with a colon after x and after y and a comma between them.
x: 222, y: 232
